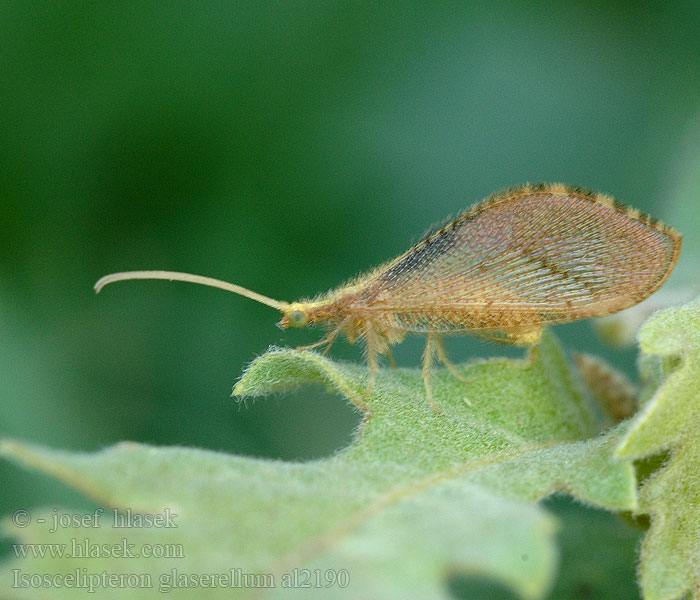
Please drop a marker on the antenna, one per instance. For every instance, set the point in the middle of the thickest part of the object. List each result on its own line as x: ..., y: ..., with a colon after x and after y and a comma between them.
x: 188, y: 277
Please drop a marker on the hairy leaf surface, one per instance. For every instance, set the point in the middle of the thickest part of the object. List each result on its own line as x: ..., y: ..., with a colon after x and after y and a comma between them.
x: 418, y: 499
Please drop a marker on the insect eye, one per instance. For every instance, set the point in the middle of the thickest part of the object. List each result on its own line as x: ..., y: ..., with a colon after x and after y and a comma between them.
x: 297, y: 318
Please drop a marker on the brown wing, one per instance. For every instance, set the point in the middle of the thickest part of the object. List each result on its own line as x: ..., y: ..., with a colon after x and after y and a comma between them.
x: 526, y: 256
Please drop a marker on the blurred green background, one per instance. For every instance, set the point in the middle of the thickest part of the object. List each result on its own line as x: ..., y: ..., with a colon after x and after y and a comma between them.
x: 287, y: 146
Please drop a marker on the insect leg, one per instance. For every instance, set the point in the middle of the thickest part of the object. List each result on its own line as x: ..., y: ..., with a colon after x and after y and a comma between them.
x: 372, y: 343
x: 327, y: 339
x: 315, y: 344
x: 445, y: 360
x: 428, y: 357
x: 390, y: 358
x: 333, y: 335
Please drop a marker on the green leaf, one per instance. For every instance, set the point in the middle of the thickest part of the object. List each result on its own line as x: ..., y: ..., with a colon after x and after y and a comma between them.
x: 419, y: 499
x: 670, y: 420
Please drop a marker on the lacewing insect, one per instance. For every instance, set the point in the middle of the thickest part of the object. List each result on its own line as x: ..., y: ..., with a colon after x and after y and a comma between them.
x: 522, y: 258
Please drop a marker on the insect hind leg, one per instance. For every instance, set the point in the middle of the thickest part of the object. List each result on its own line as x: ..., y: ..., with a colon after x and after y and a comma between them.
x: 428, y: 359
x: 390, y: 358
x: 445, y: 360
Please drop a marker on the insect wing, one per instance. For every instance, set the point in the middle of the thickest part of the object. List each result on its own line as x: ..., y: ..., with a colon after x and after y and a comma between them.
x: 524, y: 257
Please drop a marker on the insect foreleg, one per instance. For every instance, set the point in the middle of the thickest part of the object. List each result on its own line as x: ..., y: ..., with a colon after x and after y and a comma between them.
x: 328, y: 339
x: 320, y: 342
